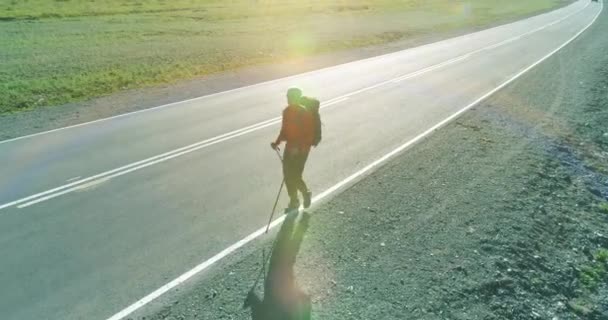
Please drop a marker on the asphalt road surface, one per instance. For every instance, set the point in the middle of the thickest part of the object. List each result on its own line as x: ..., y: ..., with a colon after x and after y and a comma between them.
x: 95, y: 217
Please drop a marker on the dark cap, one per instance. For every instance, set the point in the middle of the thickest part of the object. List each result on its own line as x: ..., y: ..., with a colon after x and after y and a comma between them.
x: 294, y: 94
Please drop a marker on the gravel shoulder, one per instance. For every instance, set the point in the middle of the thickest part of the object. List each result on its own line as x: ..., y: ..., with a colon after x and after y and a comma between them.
x: 501, y: 214
x: 47, y: 118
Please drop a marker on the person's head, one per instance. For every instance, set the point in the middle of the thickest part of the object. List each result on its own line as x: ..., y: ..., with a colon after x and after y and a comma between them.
x: 294, y: 95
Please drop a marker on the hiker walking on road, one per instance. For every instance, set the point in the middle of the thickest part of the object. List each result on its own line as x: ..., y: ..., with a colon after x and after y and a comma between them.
x: 301, y: 129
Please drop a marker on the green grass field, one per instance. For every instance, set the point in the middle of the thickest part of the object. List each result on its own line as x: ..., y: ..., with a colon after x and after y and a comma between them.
x: 58, y: 51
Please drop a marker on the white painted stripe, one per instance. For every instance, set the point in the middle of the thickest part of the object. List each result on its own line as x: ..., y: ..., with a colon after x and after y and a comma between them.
x: 285, y: 78
x: 435, y: 67
x: 56, y: 192
x: 502, y: 43
x: 97, y: 176
x: 206, y: 264
x: 43, y: 196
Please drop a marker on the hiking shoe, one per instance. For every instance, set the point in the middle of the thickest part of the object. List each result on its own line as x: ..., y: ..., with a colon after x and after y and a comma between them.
x: 293, y: 204
x: 307, y: 199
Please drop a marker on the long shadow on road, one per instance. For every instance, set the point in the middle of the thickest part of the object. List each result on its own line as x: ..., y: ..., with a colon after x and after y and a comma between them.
x: 282, y: 297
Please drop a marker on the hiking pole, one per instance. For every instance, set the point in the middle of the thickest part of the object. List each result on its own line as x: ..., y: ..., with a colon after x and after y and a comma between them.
x: 275, y: 206
x: 278, y: 195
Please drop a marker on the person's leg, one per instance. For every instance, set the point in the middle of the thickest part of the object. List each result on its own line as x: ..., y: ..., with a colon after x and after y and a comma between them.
x: 299, y: 165
x: 290, y: 176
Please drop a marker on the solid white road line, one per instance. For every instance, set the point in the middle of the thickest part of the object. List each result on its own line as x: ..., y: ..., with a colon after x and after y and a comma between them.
x: 184, y: 277
x: 266, y: 82
x: 65, y: 189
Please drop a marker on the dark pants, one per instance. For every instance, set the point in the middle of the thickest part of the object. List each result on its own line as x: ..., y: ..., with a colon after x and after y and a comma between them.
x: 293, y: 167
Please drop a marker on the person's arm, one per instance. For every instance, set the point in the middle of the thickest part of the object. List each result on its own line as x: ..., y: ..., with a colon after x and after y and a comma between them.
x: 281, y: 136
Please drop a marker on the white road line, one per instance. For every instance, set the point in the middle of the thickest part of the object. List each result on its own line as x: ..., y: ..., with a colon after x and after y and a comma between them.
x: 502, y: 43
x: 135, y: 164
x: 272, y: 81
x: 73, y: 179
x: 68, y: 188
x: 56, y: 192
x: 184, y: 277
x: 441, y: 65
x: 147, y: 164
x: 65, y: 189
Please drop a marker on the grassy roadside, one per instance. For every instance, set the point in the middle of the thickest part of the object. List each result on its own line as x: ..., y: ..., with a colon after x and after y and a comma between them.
x: 54, y: 52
